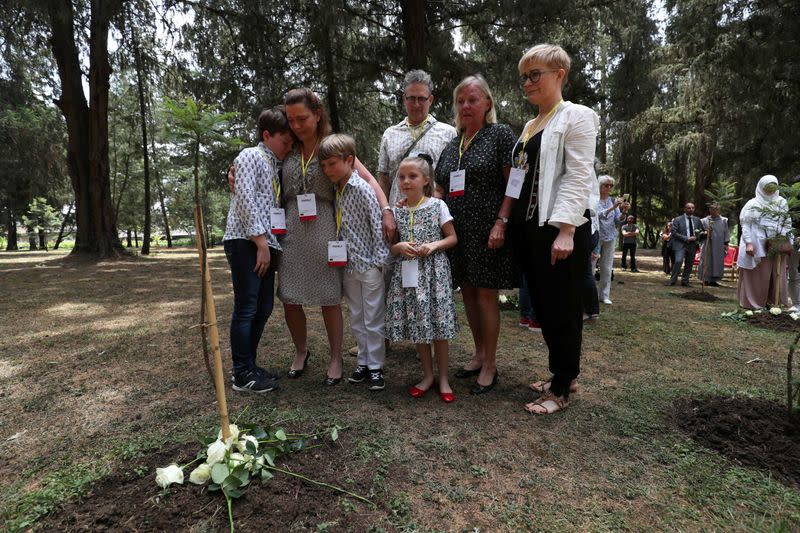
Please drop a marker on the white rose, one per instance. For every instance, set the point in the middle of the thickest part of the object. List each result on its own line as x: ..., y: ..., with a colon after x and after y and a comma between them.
x: 242, y: 444
x: 775, y: 311
x: 201, y: 474
x: 794, y: 316
x: 234, y: 429
x: 216, y: 452
x: 503, y: 299
x: 169, y: 475
x: 748, y: 313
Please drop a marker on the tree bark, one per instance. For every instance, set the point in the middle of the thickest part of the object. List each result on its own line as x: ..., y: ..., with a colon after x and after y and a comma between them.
x: 330, y: 73
x: 140, y: 86
x: 11, y: 230
x: 415, y: 33
x: 87, y: 124
x: 63, y: 226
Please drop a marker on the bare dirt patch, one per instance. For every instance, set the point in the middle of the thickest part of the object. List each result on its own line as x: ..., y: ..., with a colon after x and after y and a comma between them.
x: 128, y: 501
x: 750, y: 431
x: 700, y: 296
x: 782, y: 322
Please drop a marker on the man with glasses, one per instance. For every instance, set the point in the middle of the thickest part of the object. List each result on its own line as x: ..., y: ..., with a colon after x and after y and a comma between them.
x: 418, y: 133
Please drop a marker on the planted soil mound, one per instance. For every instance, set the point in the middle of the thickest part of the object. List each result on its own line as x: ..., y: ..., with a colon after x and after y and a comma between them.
x: 126, y: 501
x: 700, y: 296
x: 782, y: 322
x: 751, y: 432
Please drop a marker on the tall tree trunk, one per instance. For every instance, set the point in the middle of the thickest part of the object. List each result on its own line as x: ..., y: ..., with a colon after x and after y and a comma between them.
x: 42, y: 240
x: 136, y: 236
x: 140, y: 85
x: 330, y: 73
x: 11, y: 230
x: 129, y: 237
x: 31, y: 233
x: 415, y: 33
x: 122, y: 187
x: 159, y: 185
x: 63, y: 226
x: 87, y: 124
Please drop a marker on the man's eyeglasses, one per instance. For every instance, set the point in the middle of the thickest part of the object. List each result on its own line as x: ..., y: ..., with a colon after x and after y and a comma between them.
x: 416, y: 99
x: 607, y: 185
x: 534, y: 76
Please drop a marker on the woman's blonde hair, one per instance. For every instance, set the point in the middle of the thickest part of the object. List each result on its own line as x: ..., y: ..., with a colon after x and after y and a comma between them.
x: 480, y: 82
x: 551, y: 55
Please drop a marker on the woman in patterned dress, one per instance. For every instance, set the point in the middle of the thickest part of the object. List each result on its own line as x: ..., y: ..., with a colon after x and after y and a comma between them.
x: 482, y: 260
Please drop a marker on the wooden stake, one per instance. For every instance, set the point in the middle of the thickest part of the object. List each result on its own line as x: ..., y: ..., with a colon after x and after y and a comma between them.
x: 211, y: 320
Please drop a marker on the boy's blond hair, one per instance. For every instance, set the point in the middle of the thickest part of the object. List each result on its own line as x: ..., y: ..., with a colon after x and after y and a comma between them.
x: 337, y: 145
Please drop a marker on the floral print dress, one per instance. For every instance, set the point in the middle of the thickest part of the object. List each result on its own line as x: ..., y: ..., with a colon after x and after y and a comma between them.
x: 427, y: 312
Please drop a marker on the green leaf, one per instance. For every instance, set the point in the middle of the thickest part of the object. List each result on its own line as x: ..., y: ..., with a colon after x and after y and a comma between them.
x: 241, y: 473
x: 269, y: 455
x: 233, y: 493
x: 280, y: 435
x: 259, y: 433
x: 231, y: 482
x: 250, y: 447
x: 219, y: 472
x: 334, y: 433
x: 266, y: 475
x: 212, y: 487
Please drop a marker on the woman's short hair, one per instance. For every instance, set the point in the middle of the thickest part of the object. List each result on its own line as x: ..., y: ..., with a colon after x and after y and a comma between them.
x: 551, y: 55
x: 309, y: 98
x: 480, y: 82
x: 605, y: 178
x: 418, y: 76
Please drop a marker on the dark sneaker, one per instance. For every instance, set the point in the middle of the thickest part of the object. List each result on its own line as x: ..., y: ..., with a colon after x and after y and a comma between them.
x: 376, y: 380
x: 359, y: 374
x: 254, y: 381
x: 267, y: 374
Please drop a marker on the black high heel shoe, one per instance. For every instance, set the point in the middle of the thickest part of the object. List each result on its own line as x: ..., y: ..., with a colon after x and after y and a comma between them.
x: 480, y: 389
x: 294, y: 374
x: 462, y: 373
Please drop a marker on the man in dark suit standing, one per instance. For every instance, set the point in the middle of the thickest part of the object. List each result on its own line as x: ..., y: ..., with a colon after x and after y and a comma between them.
x: 686, y: 229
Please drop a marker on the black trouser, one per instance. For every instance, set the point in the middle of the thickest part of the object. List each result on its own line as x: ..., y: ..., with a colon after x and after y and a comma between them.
x: 557, y: 292
x: 591, y: 303
x: 629, y: 246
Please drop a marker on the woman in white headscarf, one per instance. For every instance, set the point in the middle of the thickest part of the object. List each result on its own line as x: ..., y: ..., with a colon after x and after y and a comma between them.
x: 763, y: 218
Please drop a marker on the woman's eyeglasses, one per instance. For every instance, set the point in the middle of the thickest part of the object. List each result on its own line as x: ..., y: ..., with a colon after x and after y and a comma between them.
x: 534, y: 76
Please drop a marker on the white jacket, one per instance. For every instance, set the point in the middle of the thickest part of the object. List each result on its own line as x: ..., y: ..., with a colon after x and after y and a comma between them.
x: 566, y: 165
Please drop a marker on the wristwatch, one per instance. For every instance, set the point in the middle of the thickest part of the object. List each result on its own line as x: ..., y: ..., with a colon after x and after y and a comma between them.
x: 504, y: 220
x: 386, y: 208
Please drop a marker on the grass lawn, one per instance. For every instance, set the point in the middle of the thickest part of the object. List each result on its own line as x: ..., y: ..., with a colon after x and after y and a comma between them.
x: 101, y: 370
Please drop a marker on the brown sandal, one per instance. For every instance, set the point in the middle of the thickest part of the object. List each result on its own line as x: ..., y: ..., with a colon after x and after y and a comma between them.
x: 547, y: 405
x: 544, y: 386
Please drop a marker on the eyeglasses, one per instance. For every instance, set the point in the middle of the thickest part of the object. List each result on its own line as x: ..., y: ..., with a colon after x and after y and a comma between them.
x: 607, y: 185
x: 416, y: 99
x: 534, y: 76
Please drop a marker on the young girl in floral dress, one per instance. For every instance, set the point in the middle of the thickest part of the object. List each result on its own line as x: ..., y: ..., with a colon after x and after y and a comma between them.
x: 419, y: 303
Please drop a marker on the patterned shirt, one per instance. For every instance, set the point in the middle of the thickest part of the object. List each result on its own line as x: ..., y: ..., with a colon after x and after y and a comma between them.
x: 361, y: 225
x: 257, y: 184
x: 397, y: 139
x: 608, y: 221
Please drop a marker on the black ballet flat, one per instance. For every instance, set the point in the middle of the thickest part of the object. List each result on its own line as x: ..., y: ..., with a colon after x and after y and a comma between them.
x: 330, y: 382
x: 462, y: 373
x: 480, y: 389
x: 294, y: 374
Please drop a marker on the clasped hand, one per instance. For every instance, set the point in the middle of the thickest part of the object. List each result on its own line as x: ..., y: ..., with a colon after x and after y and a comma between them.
x: 411, y: 249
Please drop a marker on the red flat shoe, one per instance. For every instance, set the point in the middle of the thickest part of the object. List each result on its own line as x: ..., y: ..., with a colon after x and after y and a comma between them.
x: 416, y: 392
x: 447, y: 397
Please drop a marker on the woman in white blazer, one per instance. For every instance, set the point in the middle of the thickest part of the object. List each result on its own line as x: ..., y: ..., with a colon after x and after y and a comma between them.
x: 551, y: 231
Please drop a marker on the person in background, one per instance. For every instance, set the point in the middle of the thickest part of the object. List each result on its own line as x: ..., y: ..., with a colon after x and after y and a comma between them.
x: 762, y: 218
x: 527, y: 313
x: 630, y: 232
x: 714, y: 248
x: 667, y: 255
x: 610, y: 212
x: 686, y: 230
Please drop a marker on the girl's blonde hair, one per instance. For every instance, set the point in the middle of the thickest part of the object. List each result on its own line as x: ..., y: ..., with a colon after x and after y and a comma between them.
x: 424, y: 164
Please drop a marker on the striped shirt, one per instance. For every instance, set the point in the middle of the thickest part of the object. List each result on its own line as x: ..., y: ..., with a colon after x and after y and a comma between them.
x: 361, y: 225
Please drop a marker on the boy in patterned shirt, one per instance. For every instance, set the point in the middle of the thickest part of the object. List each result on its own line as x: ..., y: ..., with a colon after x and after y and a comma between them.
x: 358, y: 224
x: 252, y: 248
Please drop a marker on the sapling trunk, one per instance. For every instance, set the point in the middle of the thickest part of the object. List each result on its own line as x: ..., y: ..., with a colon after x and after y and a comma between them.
x: 776, y: 281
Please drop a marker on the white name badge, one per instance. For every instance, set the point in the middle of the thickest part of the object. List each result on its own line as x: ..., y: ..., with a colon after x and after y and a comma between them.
x: 458, y: 179
x: 307, y: 206
x: 277, y: 217
x: 410, y: 269
x: 515, y: 180
x: 337, y: 253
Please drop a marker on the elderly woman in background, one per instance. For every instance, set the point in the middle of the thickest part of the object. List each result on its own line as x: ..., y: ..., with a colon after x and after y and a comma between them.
x: 551, y: 229
x: 763, y: 219
x: 610, y: 216
x: 471, y: 175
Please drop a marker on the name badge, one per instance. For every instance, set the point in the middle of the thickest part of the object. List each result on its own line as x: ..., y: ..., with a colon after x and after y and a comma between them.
x: 458, y: 179
x: 337, y: 253
x: 410, y: 269
x: 515, y: 180
x: 277, y: 217
x: 307, y: 206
